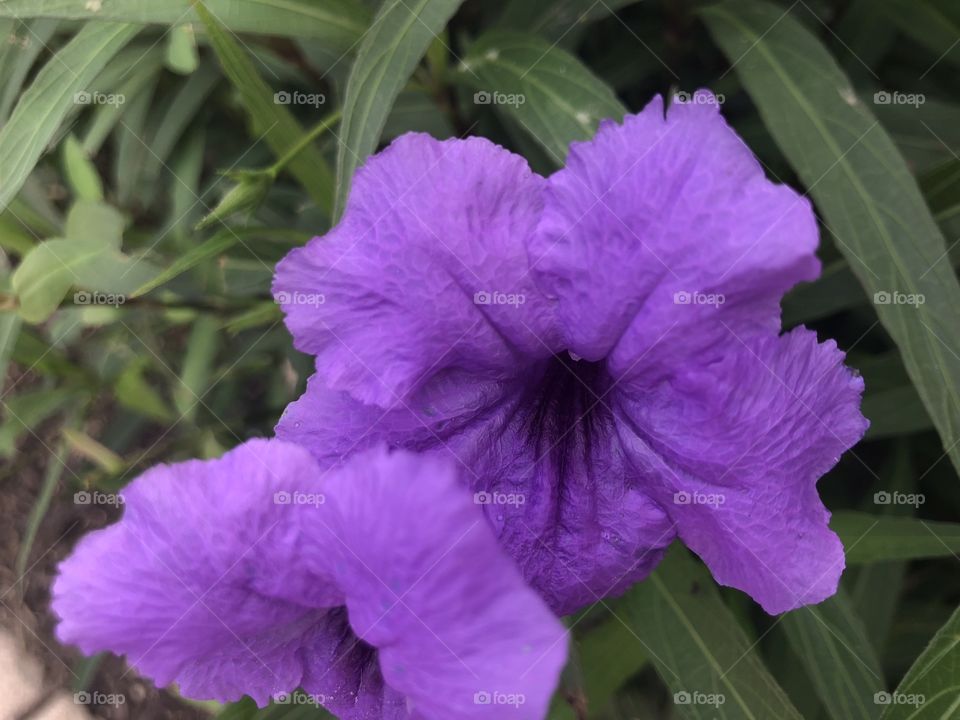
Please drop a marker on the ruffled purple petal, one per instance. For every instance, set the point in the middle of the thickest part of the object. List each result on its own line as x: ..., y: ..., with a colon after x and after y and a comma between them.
x: 426, y: 272
x: 733, y: 452
x: 201, y: 582
x: 257, y: 573
x: 660, y: 227
x: 458, y: 630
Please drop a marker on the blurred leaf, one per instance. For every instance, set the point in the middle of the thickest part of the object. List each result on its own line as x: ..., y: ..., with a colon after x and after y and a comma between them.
x: 875, y: 538
x: 80, y: 173
x: 925, y: 132
x: 340, y: 23
x: 270, y: 119
x: 89, y: 258
x: 543, y: 88
x: 180, y: 111
x: 861, y: 186
x: 25, y: 410
x: 391, y: 49
x: 9, y: 329
x: 931, y: 688
x: 51, y: 96
x: 698, y: 646
x: 182, y: 54
x: 197, y: 366
x: 935, y: 24
x: 93, y: 451
x: 555, y: 18
x: 606, y: 657
x: 204, y: 251
x: 105, y: 116
x: 898, y: 411
x: 133, y: 391
x: 24, y: 44
x: 832, y: 645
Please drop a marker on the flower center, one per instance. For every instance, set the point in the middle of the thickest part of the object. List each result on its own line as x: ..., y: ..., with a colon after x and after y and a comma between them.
x: 567, y: 410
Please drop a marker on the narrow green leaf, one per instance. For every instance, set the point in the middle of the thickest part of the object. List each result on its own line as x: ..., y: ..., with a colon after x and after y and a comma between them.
x: 182, y: 56
x: 270, y: 119
x: 863, y: 189
x: 698, y: 646
x: 397, y: 40
x: 51, y: 96
x: 339, y: 23
x: 80, y: 172
x: 197, y: 366
x: 94, y: 451
x: 24, y: 44
x: 877, y: 538
x: 898, y: 411
x: 135, y: 392
x: 934, y: 24
x: 832, y: 645
x: 542, y: 87
x: 554, y: 19
x: 931, y: 688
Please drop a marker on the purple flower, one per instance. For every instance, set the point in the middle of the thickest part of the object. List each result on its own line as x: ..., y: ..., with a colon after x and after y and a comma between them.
x: 600, y: 349
x: 379, y: 590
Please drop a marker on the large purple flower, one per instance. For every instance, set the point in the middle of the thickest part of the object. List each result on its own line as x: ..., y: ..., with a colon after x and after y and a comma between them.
x: 380, y: 589
x: 600, y: 349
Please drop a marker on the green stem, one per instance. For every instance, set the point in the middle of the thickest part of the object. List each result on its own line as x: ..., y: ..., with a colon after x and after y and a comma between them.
x: 308, y: 138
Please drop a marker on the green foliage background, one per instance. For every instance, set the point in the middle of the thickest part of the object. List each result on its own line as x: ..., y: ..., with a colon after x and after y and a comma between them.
x: 151, y: 175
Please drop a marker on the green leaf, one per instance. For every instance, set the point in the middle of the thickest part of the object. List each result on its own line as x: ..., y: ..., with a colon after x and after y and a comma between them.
x: 698, y: 646
x: 877, y: 538
x: 934, y: 24
x: 244, y: 197
x: 270, y: 119
x: 80, y: 172
x: 832, y: 645
x: 861, y: 186
x: 391, y: 49
x: 204, y: 251
x: 97, y: 453
x: 89, y: 258
x: 197, y: 366
x: 898, y: 411
x: 182, y: 56
x: 24, y: 44
x: 542, y: 87
x: 556, y: 18
x: 931, y: 688
x: 339, y: 23
x: 136, y: 393
x: 51, y: 96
